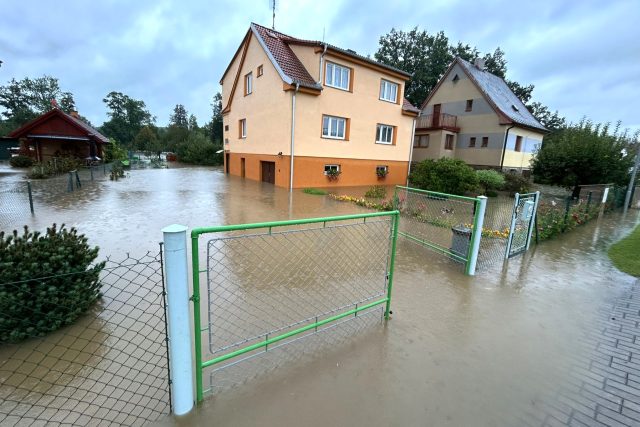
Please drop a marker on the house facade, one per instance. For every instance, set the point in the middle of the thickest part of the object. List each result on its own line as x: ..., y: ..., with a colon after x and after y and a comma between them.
x: 472, y: 115
x: 58, y: 134
x: 300, y: 113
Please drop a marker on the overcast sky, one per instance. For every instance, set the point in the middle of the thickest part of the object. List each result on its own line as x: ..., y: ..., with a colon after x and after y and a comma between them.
x: 582, y: 56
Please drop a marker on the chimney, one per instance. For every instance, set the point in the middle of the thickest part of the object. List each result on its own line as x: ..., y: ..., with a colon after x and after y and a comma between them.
x: 479, y: 63
x: 74, y: 114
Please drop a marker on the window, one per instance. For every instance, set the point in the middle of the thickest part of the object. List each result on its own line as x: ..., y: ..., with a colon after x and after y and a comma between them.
x: 485, y: 141
x: 472, y: 142
x: 388, y: 91
x: 469, y: 106
x: 518, y: 143
x: 260, y: 70
x: 334, y: 127
x: 337, y: 76
x: 243, y: 128
x: 455, y: 78
x: 248, y: 84
x: 226, y: 128
x: 331, y: 169
x: 384, y: 134
x: 448, y: 142
x: 421, y: 141
x: 226, y: 140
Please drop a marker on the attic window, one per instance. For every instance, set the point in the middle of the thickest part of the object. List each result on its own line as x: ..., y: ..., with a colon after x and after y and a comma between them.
x: 514, y: 107
x: 456, y: 78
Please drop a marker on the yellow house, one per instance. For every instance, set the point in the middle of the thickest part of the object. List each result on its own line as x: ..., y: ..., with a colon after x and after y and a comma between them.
x: 300, y: 113
x: 472, y: 115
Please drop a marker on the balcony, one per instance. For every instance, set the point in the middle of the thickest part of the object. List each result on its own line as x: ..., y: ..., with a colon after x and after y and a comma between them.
x: 438, y: 121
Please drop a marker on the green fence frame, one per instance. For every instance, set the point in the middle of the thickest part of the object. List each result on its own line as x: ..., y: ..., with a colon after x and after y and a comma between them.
x: 197, y: 232
x: 479, y: 208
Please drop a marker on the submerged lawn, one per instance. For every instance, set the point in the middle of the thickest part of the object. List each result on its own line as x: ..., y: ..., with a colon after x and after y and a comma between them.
x: 626, y: 253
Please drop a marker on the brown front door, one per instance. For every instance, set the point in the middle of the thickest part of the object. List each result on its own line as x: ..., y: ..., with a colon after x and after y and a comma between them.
x: 242, y: 167
x: 268, y: 172
x: 436, y: 116
x: 227, y: 158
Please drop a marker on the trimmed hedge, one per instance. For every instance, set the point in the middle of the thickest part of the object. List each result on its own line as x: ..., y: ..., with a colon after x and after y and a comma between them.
x: 47, y: 281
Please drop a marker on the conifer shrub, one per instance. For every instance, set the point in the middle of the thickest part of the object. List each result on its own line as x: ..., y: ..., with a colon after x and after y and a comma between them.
x: 47, y: 281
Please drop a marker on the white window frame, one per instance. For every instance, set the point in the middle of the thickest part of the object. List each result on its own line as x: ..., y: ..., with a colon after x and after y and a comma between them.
x: 336, y: 120
x: 383, y: 131
x: 243, y: 128
x: 333, y: 70
x: 385, y: 89
x: 248, y: 78
x: 327, y: 168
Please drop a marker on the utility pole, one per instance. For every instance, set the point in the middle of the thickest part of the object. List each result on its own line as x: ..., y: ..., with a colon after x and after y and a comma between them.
x: 632, y: 181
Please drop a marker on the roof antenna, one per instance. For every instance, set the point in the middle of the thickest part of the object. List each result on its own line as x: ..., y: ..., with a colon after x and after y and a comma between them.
x: 323, y: 27
x: 273, y: 8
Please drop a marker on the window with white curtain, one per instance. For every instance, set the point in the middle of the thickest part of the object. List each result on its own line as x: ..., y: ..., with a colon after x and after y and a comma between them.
x: 337, y: 76
x: 388, y: 91
x: 384, y: 134
x: 334, y: 127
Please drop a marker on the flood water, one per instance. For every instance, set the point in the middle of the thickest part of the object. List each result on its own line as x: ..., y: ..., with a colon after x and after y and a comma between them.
x: 458, y: 350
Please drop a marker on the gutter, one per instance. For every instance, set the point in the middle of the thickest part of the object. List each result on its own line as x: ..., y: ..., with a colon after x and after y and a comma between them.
x: 504, y: 147
x: 293, y: 131
x: 321, y: 61
x: 413, y: 135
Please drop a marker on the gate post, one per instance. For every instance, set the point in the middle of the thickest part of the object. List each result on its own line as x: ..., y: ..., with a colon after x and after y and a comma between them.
x: 532, y: 221
x: 181, y: 383
x: 476, y: 234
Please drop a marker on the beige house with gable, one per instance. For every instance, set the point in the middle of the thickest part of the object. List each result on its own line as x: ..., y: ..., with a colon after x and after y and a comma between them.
x: 301, y: 113
x: 472, y: 115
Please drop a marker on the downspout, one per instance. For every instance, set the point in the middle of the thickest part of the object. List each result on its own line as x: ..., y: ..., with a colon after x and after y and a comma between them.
x: 504, y: 147
x: 321, y: 62
x: 293, y: 131
x: 413, y: 135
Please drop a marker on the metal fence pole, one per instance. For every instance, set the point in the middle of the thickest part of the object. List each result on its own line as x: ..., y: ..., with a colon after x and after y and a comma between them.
x: 175, y: 244
x: 533, y: 219
x: 589, y: 201
x: 567, y: 207
x: 30, y: 196
x: 476, y: 235
x: 394, y: 239
x: 70, y: 183
x: 197, y: 339
x: 91, y: 171
x: 78, y: 183
x: 512, y: 225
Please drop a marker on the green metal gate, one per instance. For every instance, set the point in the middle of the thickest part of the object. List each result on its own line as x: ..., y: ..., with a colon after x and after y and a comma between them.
x: 522, y: 223
x: 270, y: 284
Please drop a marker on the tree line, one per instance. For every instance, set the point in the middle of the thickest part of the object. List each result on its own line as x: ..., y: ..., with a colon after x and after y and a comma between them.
x: 567, y: 153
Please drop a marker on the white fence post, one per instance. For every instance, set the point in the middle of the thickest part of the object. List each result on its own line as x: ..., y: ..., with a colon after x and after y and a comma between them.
x: 180, y: 350
x: 476, y: 235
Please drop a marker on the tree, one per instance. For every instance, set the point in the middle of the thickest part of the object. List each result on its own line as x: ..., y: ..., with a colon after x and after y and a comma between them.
x: 427, y: 57
x: 213, y: 129
x: 67, y: 103
x: 585, y: 153
x: 126, y: 117
x: 552, y: 121
x: 179, y: 117
x: 146, y: 140
x: 444, y: 175
x: 193, y: 123
x: 490, y: 180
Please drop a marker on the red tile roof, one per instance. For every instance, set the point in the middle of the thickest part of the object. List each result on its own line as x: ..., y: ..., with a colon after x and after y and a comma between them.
x: 407, y: 106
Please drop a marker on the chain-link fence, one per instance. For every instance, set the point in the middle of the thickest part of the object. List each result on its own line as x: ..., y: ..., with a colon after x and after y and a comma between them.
x: 15, y: 202
x: 495, y: 232
x: 268, y: 290
x: 442, y: 222
x: 107, y: 368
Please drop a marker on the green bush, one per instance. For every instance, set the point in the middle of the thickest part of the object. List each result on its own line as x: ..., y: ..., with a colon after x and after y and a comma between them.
x: 198, y: 150
x: 21, y: 161
x: 117, y: 171
x: 314, y: 191
x: 445, y: 176
x: 516, y: 183
x: 55, y: 166
x: 113, y: 151
x: 46, y: 281
x: 376, y: 192
x: 490, y: 181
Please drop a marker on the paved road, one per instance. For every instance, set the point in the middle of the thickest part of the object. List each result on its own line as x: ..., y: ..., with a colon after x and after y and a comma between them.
x: 604, y: 389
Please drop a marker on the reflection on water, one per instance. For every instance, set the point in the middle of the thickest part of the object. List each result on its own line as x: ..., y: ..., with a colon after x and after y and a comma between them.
x: 458, y: 351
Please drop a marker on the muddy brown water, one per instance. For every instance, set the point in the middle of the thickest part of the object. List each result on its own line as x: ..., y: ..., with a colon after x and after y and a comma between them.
x: 458, y: 350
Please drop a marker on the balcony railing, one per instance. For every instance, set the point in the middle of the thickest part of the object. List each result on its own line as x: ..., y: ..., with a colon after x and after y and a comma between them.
x: 438, y: 121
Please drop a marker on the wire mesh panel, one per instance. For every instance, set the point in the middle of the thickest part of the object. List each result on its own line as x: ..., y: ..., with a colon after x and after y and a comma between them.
x: 267, y: 290
x: 495, y: 232
x: 14, y: 203
x: 109, y: 367
x: 441, y: 222
x: 521, y: 223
